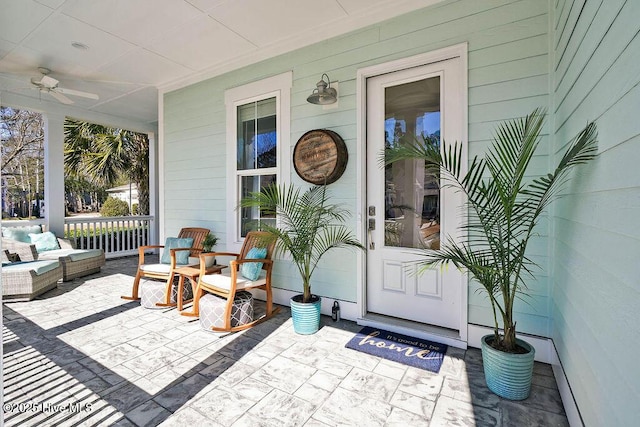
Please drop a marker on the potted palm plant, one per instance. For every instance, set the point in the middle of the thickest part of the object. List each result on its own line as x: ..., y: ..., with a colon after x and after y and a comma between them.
x: 207, y: 246
x: 504, y: 205
x: 307, y: 227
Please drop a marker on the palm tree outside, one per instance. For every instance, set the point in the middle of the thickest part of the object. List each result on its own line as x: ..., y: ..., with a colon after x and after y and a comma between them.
x: 105, y: 156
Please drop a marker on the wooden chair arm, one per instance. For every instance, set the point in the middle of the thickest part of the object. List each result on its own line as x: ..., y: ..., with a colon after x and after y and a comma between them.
x: 173, y: 255
x: 141, y: 250
x: 235, y: 264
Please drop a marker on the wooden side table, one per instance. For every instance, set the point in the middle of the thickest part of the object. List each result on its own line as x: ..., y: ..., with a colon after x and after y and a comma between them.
x: 192, y: 272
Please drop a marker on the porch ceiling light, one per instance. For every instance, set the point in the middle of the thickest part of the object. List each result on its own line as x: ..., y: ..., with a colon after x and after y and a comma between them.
x: 323, y: 94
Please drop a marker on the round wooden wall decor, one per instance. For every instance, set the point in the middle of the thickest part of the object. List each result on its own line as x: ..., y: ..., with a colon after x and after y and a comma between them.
x: 320, y: 156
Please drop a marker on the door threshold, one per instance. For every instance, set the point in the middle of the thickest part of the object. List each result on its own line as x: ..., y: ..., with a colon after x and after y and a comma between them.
x: 419, y: 330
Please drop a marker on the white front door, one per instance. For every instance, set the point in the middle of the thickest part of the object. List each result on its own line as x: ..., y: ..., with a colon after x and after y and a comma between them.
x: 407, y: 211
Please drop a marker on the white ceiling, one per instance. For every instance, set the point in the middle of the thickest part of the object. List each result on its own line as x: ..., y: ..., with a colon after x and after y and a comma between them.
x: 139, y: 46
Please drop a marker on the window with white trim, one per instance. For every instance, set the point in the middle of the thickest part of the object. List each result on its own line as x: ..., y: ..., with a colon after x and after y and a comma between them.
x: 258, y: 146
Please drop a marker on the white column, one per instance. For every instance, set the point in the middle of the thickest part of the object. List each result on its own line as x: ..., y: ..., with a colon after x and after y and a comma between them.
x: 54, y: 172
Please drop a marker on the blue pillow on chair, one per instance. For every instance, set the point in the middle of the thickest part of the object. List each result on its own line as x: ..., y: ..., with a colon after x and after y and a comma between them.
x: 251, y: 270
x: 182, y: 257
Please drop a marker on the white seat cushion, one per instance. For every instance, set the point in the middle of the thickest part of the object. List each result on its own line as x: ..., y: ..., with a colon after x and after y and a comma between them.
x: 39, y: 267
x: 156, y: 268
x: 223, y: 281
x: 74, y: 254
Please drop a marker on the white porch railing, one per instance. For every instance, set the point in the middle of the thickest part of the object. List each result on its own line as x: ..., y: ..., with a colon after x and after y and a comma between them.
x: 117, y: 236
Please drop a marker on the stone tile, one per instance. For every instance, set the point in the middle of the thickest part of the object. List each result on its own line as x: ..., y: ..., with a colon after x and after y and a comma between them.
x: 314, y: 423
x: 312, y: 394
x: 402, y: 418
x: 473, y: 359
x: 277, y: 409
x: 546, y: 399
x: 227, y: 372
x: 126, y: 397
x: 256, y: 359
x: 348, y: 408
x: 421, y: 383
x: 237, y: 348
x: 148, y: 414
x: 451, y: 412
x: 391, y: 369
x: 284, y: 374
x: 176, y: 396
x: 544, y: 381
x: 148, y: 342
x: 414, y: 404
x: 374, y: 385
x: 154, y: 360
x: 65, y: 355
x: 355, y: 358
x: 252, y: 389
x: 453, y: 366
x: 334, y: 367
x: 522, y: 415
x: 223, y: 404
x: 191, y: 343
x: 471, y: 388
x: 117, y: 355
x: 324, y: 380
x: 189, y: 417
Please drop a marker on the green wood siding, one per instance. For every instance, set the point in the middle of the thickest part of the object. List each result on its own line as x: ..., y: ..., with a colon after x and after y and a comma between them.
x: 596, y: 239
x: 508, y: 77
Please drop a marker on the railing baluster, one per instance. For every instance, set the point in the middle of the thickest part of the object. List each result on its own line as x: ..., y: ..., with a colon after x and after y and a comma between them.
x: 117, y: 236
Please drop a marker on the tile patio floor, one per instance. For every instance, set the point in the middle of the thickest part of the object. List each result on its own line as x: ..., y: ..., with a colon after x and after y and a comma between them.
x: 81, y: 356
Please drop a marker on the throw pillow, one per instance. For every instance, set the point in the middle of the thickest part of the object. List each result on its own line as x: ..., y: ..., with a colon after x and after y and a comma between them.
x: 182, y: 257
x: 21, y: 234
x: 251, y: 270
x: 44, y: 241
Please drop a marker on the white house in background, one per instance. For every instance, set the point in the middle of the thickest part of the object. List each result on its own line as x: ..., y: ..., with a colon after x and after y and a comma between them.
x: 127, y: 193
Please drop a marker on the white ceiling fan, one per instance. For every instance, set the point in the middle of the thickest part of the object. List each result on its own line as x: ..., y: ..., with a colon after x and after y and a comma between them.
x: 50, y: 85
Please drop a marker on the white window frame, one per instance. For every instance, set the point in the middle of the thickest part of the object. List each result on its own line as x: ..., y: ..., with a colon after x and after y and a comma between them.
x: 278, y: 86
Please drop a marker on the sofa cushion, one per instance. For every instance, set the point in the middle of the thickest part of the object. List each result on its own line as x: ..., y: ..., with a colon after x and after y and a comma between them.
x: 39, y: 267
x: 182, y: 257
x: 73, y: 254
x: 21, y: 234
x: 46, y: 241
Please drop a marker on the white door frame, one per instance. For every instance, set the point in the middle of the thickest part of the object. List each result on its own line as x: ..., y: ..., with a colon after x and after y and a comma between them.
x: 459, y: 50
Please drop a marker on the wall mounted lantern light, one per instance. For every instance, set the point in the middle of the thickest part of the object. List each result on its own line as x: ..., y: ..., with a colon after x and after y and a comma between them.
x: 323, y: 94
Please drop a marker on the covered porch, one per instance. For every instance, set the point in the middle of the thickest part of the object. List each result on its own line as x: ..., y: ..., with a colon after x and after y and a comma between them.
x: 180, y: 70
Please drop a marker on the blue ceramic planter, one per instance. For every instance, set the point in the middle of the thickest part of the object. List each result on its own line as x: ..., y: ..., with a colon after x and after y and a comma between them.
x: 306, y: 316
x: 508, y: 375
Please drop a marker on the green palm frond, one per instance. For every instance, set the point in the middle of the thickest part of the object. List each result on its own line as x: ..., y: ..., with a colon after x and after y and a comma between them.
x: 308, y: 225
x: 504, y: 204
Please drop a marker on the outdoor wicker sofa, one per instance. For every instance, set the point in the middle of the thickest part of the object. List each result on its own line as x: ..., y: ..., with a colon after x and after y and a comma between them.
x: 74, y: 262
x: 23, y: 281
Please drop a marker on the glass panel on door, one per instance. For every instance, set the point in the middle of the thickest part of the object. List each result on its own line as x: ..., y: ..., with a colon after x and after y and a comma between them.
x: 412, y: 196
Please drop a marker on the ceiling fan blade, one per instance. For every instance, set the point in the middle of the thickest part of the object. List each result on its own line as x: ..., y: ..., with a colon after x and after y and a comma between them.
x: 77, y: 93
x: 60, y: 97
x: 49, y: 82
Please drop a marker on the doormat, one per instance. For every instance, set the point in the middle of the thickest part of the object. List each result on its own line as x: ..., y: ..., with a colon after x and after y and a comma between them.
x: 400, y: 348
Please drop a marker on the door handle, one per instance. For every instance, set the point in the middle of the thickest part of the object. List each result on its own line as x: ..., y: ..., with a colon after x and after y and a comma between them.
x: 370, y: 228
